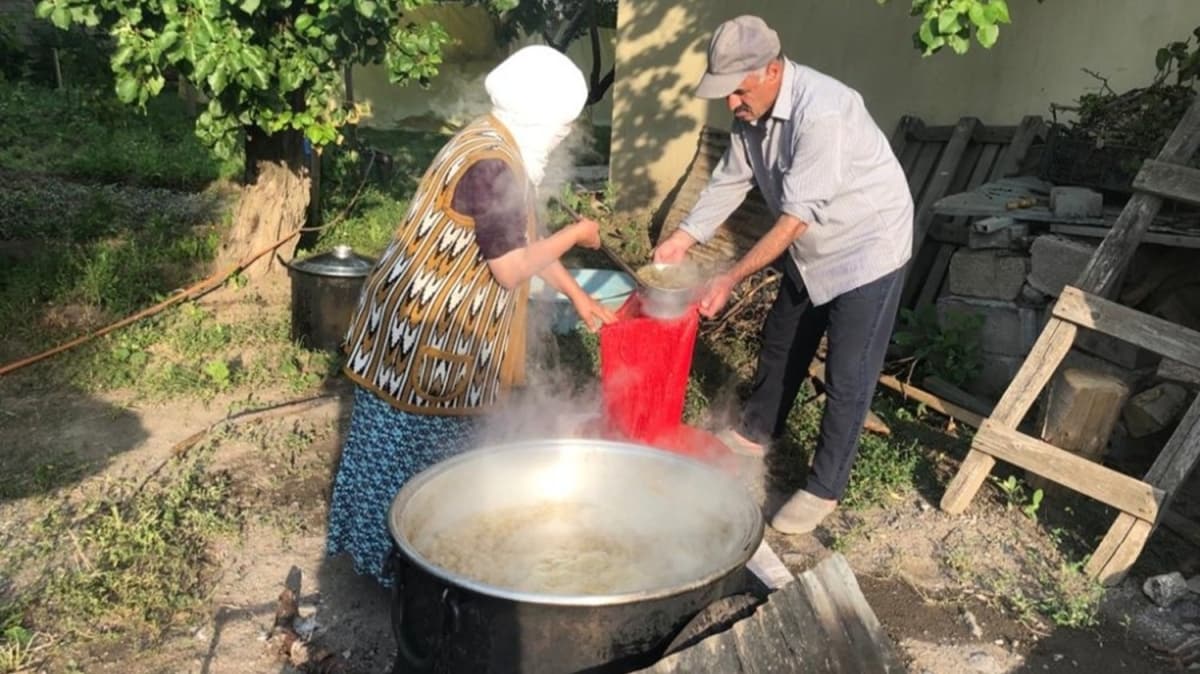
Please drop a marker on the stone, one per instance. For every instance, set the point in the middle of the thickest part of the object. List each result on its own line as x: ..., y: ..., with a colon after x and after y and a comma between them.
x: 995, y: 374
x: 1194, y: 584
x: 1165, y: 589
x: 989, y: 274
x: 1056, y: 262
x: 1008, y: 329
x: 1006, y: 238
x: 1076, y: 202
x: 1033, y: 297
x: 1154, y: 409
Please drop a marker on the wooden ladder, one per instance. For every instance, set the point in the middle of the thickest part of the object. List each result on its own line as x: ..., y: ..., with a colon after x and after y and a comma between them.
x: 1141, y: 502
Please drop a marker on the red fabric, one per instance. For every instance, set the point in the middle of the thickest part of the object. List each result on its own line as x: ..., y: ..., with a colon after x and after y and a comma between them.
x: 644, y: 365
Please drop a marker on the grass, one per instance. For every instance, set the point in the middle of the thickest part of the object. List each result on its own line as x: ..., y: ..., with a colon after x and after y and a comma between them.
x: 89, y: 135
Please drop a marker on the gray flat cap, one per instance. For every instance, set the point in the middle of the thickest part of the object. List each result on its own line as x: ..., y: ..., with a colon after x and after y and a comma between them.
x: 739, y: 47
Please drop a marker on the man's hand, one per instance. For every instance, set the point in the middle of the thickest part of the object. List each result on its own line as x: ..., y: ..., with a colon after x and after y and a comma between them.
x: 592, y: 312
x: 674, y: 249
x: 587, y: 233
x: 717, y: 295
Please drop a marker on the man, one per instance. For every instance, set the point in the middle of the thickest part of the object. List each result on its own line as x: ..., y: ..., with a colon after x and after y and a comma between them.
x: 842, y: 236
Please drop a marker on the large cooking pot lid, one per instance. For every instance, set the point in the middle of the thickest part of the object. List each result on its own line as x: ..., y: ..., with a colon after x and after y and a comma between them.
x: 342, y: 261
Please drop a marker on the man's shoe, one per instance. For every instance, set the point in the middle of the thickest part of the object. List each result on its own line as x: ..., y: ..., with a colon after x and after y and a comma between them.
x: 802, y: 513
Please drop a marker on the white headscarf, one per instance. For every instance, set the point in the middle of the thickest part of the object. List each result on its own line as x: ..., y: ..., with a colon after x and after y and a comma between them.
x: 537, y: 93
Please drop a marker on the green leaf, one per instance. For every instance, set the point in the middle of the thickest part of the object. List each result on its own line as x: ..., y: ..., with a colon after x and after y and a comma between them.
x: 248, y: 6
x: 987, y: 35
x: 997, y: 11
x: 948, y: 22
x: 61, y: 18
x: 1162, y: 58
x: 44, y: 9
x: 217, y: 80
x: 979, y: 15
x: 127, y: 88
x: 365, y: 7
x: 303, y: 21
x: 926, y: 33
x: 960, y: 45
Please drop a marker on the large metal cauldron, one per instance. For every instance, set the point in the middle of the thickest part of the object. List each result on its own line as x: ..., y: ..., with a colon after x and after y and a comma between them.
x: 325, y: 290
x: 691, y: 529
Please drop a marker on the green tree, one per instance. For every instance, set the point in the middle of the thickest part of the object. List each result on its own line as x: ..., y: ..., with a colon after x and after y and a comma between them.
x: 271, y: 71
x: 951, y: 23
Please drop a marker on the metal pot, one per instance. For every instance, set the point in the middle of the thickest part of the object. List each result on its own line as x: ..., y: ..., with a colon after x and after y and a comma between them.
x: 446, y: 620
x: 325, y: 290
x: 668, y: 302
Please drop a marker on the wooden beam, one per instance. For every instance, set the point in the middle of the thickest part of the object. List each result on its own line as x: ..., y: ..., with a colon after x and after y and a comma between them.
x: 944, y: 407
x: 939, y: 183
x: 1112, y: 258
x: 1179, y: 456
x: 936, y: 276
x: 1171, y: 181
x: 1156, y: 238
x: 1049, y: 350
x: 1149, y: 332
x: 1119, y: 549
x: 1103, y: 484
x: 1030, y: 128
x: 908, y: 127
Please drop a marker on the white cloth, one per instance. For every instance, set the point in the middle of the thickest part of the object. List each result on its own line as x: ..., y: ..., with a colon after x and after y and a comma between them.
x: 536, y: 94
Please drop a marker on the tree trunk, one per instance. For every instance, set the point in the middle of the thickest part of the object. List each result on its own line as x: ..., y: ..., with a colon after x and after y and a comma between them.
x: 273, y: 204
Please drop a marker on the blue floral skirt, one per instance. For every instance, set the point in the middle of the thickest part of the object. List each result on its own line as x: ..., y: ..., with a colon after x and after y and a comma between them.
x: 384, y: 448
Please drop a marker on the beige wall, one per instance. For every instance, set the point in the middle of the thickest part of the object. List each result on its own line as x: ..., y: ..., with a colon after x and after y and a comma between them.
x: 1038, y: 60
x: 457, y: 94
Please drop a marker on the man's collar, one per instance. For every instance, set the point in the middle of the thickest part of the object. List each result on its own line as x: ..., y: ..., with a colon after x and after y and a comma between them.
x: 783, y: 102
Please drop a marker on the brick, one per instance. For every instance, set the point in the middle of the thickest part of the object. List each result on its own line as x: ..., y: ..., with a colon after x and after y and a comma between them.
x: 1076, y: 202
x: 995, y: 375
x: 989, y: 274
x: 1057, y: 262
x: 1004, y: 237
x: 1008, y: 329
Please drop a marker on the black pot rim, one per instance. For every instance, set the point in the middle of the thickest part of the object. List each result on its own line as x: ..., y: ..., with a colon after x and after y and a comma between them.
x: 414, y: 484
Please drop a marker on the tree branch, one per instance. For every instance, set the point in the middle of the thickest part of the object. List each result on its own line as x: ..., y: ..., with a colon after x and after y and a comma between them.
x: 570, y: 27
x: 594, y: 78
x: 600, y: 89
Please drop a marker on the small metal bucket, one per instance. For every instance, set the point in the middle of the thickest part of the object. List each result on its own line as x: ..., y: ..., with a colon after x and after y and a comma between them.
x: 325, y: 290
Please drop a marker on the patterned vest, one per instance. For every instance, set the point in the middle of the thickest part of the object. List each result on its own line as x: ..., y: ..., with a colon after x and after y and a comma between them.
x: 434, y: 333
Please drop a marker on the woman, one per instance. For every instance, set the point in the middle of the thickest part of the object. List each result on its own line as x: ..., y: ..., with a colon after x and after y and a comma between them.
x: 438, y: 336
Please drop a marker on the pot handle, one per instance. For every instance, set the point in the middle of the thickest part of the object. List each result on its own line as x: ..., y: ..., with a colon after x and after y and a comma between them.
x: 405, y: 651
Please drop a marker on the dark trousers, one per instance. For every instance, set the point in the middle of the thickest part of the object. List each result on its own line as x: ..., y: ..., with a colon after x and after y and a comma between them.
x: 860, y: 325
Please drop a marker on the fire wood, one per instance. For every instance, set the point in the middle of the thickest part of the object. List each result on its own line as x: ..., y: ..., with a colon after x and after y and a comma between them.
x: 1082, y: 409
x: 289, y: 644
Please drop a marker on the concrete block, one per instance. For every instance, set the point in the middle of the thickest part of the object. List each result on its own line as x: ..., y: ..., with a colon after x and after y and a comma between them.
x: 1033, y: 297
x: 1008, y: 329
x: 1076, y: 202
x: 990, y: 274
x: 995, y: 375
x: 993, y: 224
x: 1057, y: 262
x: 1005, y: 237
x: 1115, y: 350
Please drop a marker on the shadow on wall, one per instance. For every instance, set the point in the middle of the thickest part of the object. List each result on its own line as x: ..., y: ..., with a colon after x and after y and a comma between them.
x: 658, y: 43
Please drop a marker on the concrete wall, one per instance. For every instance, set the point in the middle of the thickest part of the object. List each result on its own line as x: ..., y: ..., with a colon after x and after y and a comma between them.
x: 1039, y: 60
x: 457, y: 94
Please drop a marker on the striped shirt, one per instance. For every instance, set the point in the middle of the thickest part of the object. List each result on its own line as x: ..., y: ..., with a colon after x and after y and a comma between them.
x: 820, y: 157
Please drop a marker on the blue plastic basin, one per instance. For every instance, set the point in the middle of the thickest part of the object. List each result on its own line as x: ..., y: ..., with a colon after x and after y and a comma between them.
x: 611, y: 288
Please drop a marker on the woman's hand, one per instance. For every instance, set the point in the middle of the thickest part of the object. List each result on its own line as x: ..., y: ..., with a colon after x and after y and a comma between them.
x: 587, y: 233
x: 592, y: 312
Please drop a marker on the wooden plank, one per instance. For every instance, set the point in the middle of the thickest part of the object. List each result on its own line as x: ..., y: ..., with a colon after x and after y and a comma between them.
x: 1156, y: 238
x: 1112, y: 258
x: 1179, y: 456
x: 1170, y: 181
x: 922, y: 170
x: 1173, y: 370
x: 837, y: 642
x: 762, y: 645
x: 936, y: 276
x: 1149, y: 332
x: 947, y: 391
x: 939, y: 183
x: 944, y: 407
x: 907, y: 127
x: 798, y: 618
x: 996, y: 135
x: 1030, y: 128
x: 1043, y: 359
x: 1127, y: 553
x: 866, y: 633
x: 1079, y: 474
x: 1116, y: 535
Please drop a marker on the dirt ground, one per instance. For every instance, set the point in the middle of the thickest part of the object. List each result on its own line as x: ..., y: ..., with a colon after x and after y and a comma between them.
x: 921, y: 570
